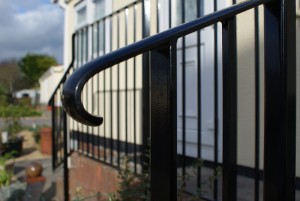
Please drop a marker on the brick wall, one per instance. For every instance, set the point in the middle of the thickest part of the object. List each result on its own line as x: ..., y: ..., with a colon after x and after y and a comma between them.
x: 87, y: 176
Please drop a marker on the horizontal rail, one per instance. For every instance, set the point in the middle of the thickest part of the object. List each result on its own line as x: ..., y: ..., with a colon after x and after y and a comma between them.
x: 71, y: 96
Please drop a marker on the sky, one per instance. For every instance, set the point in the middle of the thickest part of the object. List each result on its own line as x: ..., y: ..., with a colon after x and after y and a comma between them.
x: 30, y: 26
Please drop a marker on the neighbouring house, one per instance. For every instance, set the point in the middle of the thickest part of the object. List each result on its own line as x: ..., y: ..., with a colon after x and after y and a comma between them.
x: 33, y: 94
x: 94, y: 28
x: 48, y: 81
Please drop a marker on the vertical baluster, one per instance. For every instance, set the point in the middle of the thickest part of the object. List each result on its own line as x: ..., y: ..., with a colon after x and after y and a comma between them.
x: 134, y: 93
x: 257, y: 105
x: 87, y: 95
x: 229, y: 110
x: 216, y: 107
x: 111, y: 99
x: 199, y: 98
x: 74, y: 56
x: 53, y: 131
x: 104, y: 88
x: 118, y: 93
x: 98, y: 90
x: 183, y: 87
x: 65, y: 155
x: 92, y: 141
x: 126, y: 85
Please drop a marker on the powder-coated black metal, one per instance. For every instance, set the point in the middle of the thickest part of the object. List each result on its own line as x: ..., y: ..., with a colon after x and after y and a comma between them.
x: 280, y: 96
x: 51, y: 103
x: 163, y: 123
x: 216, y: 106
x: 183, y: 98
x: 229, y: 110
x: 65, y: 156
x: 199, y: 98
x: 71, y: 96
x: 146, y: 84
x: 257, y: 105
x: 286, y: 102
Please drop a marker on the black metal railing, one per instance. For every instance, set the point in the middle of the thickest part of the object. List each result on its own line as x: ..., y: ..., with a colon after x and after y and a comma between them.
x: 103, y: 143
x: 161, y: 92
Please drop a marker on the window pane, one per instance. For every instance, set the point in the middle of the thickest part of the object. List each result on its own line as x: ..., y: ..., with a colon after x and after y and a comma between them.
x: 190, y: 8
x: 81, y: 15
x: 99, y: 9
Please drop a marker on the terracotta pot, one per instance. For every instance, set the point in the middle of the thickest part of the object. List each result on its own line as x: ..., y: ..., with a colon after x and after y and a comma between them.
x: 46, y: 140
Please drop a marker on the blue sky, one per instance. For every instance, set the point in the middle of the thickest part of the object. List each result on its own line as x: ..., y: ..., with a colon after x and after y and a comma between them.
x: 30, y: 26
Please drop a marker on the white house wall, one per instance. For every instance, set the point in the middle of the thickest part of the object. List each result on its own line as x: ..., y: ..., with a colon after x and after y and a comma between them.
x: 246, y: 93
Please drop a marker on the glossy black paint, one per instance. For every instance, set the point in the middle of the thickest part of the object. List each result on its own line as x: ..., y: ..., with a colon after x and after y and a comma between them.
x: 229, y: 110
x: 163, y: 75
x: 280, y: 96
x: 163, y: 107
x: 71, y: 96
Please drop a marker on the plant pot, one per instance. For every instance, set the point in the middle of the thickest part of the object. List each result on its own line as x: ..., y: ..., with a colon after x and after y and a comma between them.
x: 16, y: 146
x: 46, y: 140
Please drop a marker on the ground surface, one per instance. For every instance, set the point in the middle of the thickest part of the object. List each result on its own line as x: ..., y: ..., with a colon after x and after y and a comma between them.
x: 31, y: 153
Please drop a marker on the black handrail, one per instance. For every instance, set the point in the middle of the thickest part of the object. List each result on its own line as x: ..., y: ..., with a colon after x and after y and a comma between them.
x: 71, y: 96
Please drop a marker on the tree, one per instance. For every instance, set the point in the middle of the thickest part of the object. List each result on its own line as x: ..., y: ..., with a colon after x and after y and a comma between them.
x: 11, y: 78
x: 34, y: 65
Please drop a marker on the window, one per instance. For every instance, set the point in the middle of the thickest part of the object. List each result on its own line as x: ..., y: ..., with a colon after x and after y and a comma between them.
x: 81, y: 14
x: 99, y: 9
x: 190, y: 8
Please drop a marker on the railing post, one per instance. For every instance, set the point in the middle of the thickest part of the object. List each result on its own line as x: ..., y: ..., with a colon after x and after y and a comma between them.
x: 280, y: 101
x: 229, y: 110
x: 163, y: 101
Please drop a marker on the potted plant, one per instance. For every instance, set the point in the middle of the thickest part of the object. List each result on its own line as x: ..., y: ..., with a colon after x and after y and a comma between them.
x: 9, y: 190
x: 14, y: 142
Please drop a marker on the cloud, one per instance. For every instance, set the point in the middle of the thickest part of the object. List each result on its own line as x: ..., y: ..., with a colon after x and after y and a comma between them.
x: 30, y: 26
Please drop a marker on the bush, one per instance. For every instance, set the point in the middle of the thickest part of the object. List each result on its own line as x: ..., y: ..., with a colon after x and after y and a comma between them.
x: 17, y: 111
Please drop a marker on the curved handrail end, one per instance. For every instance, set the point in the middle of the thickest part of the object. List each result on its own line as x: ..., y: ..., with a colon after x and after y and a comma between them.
x: 71, y: 101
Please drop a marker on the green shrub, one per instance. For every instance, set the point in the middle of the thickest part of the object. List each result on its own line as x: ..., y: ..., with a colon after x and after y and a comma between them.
x: 17, y: 111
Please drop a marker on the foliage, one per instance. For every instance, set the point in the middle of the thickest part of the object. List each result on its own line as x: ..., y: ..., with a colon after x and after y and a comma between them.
x: 11, y: 79
x: 183, y: 180
x: 79, y: 195
x: 17, y: 111
x: 5, y: 174
x: 13, y: 125
x: 34, y: 65
x: 131, y: 186
x: 3, y: 98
